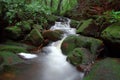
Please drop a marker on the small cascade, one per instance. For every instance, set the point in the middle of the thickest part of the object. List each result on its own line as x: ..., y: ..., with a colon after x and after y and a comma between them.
x: 53, y: 62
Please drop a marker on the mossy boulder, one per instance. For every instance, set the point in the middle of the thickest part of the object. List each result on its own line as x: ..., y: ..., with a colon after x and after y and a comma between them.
x: 112, y: 33
x: 18, y: 44
x: 73, y: 41
x: 35, y: 37
x: 52, y: 35
x: 13, y: 48
x: 79, y: 56
x: 106, y: 69
x: 88, y: 28
x: 10, y: 58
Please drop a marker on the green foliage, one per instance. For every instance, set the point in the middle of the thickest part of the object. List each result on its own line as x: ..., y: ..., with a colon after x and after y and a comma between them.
x: 115, y: 15
x: 68, y: 5
x: 14, y: 30
x: 75, y: 57
x: 111, y: 33
x: 17, y: 10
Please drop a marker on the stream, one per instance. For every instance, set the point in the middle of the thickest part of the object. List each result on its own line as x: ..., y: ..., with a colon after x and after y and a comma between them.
x: 50, y: 63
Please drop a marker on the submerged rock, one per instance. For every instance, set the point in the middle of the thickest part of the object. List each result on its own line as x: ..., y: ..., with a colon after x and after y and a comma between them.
x: 106, y: 69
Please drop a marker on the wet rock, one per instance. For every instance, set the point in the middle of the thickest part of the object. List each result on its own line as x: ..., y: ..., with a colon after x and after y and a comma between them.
x: 79, y: 56
x: 106, y: 69
x: 52, y: 35
x: 72, y: 42
x: 88, y: 28
x: 34, y: 37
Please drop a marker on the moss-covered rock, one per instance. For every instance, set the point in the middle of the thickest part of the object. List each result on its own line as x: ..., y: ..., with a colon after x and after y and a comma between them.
x: 72, y: 42
x: 106, y: 69
x: 13, y: 48
x: 9, y: 58
x: 35, y: 37
x: 52, y: 35
x: 88, y: 28
x: 79, y: 56
x: 112, y: 33
x: 23, y: 45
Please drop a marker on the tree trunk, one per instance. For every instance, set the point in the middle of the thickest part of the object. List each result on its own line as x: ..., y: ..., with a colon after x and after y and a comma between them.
x: 45, y: 2
x: 51, y: 3
x: 59, y: 6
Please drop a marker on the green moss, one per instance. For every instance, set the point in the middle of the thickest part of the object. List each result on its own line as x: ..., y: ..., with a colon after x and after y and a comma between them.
x: 9, y: 58
x: 68, y: 44
x: 84, y: 25
x: 12, y: 48
x: 107, y: 69
x: 25, y: 46
x: 75, y: 57
x: 35, y: 37
x: 72, y: 42
x: 112, y: 33
x: 80, y: 56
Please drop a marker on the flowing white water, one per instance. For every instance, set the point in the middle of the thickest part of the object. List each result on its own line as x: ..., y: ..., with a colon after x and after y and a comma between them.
x: 53, y: 62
